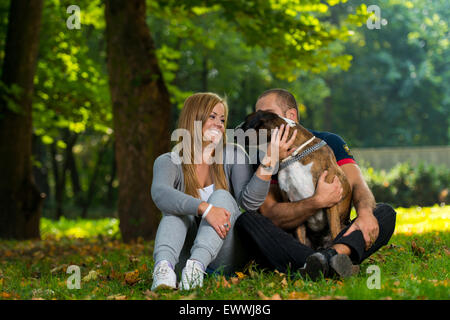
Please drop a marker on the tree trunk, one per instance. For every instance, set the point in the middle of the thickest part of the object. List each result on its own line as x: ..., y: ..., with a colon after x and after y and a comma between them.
x: 141, y: 110
x: 110, y: 195
x: 20, y: 200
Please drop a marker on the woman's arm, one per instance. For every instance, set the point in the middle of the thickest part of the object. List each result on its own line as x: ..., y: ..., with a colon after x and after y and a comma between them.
x: 165, y: 196
x: 250, y: 188
x: 250, y: 191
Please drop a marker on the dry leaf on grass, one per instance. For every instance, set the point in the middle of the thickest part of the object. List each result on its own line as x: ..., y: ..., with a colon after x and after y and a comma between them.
x: 333, y: 298
x: 276, y: 296
x: 222, y: 282
x: 150, y: 295
x: 295, y: 295
x: 132, y: 277
x: 117, y: 297
x: 418, y: 251
x: 92, y: 275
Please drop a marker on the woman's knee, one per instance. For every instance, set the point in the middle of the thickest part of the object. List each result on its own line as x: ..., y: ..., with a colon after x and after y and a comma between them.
x: 223, y: 199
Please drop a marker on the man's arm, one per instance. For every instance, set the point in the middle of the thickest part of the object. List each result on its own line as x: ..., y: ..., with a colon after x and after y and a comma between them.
x: 362, y: 197
x: 364, y: 203
x: 288, y: 215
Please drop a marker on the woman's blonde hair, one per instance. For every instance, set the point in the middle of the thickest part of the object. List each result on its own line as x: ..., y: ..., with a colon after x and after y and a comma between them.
x: 198, y: 107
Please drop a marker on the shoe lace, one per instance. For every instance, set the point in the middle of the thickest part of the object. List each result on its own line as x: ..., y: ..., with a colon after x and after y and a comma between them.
x: 195, y: 272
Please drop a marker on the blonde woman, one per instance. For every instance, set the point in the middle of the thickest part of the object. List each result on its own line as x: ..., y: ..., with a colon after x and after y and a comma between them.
x: 200, y: 198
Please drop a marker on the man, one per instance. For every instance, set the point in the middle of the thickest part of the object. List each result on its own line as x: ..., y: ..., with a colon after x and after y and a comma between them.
x: 267, y: 232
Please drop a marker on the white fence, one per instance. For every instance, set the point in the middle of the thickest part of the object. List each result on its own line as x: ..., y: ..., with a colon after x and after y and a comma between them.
x: 386, y: 158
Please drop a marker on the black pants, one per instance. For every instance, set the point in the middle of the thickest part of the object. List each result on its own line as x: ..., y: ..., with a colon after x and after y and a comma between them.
x: 272, y: 247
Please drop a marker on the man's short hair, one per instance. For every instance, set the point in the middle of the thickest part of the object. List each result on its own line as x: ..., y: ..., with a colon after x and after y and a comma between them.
x: 284, y: 98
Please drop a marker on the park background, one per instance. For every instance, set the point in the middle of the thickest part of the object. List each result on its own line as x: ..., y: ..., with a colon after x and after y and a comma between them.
x: 86, y: 108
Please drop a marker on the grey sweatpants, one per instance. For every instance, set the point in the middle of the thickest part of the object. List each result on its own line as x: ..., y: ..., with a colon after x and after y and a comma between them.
x: 179, y: 238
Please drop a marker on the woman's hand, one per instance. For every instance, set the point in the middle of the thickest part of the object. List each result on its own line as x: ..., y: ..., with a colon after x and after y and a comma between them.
x: 280, y: 144
x: 219, y: 219
x: 278, y: 149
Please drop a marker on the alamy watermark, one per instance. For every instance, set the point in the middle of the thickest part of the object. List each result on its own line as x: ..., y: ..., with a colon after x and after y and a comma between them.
x: 375, y: 21
x: 374, y: 280
x: 74, y: 281
x: 197, y: 149
x: 74, y: 20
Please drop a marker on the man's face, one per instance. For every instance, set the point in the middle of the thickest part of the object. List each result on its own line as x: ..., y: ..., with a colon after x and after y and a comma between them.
x: 269, y: 103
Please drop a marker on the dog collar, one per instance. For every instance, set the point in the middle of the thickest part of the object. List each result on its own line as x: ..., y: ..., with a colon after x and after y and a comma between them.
x: 291, y: 159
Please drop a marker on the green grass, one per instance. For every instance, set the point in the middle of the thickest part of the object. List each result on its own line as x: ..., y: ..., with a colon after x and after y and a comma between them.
x: 414, y: 265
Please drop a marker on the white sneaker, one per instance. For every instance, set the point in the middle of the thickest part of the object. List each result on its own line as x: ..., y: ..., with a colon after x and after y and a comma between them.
x: 163, y: 276
x: 192, y: 275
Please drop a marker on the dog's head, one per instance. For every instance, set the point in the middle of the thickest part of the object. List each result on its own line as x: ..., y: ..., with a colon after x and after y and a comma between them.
x: 261, y: 120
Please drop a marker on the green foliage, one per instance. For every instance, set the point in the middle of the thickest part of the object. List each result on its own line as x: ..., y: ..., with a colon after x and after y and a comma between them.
x: 407, y: 186
x: 71, y: 88
x: 396, y: 92
x: 241, y: 48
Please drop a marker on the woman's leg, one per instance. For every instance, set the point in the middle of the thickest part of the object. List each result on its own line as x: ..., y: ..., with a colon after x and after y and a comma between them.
x: 171, y: 237
x: 208, y: 247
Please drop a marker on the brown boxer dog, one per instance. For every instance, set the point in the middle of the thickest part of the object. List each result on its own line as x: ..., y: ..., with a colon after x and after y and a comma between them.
x: 298, y: 175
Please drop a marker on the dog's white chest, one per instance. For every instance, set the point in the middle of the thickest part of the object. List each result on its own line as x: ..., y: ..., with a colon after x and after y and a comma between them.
x: 297, y: 181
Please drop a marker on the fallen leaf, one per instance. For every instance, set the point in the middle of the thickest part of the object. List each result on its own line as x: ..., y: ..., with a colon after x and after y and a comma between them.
x: 333, y: 298
x: 418, y: 251
x: 299, y: 283
x: 222, y: 282
x: 235, y: 280
x: 133, y: 259
x: 92, y: 275
x: 5, y: 295
x: 189, y: 297
x: 295, y: 295
x: 132, y: 277
x: 59, y: 268
x: 116, y: 275
x: 116, y: 297
x: 144, y: 267
x: 240, y: 275
x: 262, y: 296
x: 150, y: 295
x: 284, y: 283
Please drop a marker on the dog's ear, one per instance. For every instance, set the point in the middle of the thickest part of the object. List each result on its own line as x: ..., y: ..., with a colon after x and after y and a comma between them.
x: 251, y: 121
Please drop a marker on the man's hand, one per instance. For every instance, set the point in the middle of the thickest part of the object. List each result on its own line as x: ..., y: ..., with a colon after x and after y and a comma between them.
x: 328, y: 194
x: 368, y: 225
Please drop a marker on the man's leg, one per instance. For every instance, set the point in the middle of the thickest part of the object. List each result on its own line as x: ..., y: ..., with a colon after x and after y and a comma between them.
x: 272, y: 246
x: 386, y: 216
